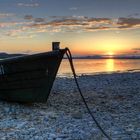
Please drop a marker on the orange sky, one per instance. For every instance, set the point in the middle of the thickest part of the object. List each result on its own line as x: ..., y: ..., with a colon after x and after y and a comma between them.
x: 86, y: 27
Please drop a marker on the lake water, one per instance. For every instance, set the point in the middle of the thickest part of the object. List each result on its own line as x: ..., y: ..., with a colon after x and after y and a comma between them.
x: 94, y: 66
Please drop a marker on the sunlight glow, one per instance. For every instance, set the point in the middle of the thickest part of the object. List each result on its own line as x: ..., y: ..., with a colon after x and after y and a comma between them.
x: 110, y: 55
x: 110, y: 65
x: 110, y: 46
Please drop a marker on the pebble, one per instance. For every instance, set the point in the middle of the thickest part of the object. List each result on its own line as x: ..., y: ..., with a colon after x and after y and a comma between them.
x: 77, y: 115
x: 112, y: 98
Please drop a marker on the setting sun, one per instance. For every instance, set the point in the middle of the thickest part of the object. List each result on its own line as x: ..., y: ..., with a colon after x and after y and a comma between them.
x: 110, y: 54
x: 111, y: 46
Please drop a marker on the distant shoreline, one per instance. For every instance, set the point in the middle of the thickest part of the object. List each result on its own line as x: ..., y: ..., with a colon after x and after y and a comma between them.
x: 6, y: 55
x: 104, y: 58
x: 69, y: 75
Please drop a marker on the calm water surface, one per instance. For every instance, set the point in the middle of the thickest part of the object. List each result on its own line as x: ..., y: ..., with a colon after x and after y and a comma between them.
x: 94, y: 66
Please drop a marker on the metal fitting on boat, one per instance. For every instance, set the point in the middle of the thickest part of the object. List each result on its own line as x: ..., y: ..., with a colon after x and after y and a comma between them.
x: 55, y: 46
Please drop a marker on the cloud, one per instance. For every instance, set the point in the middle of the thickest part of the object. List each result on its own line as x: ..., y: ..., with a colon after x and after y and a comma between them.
x: 14, y: 29
x: 69, y: 24
x: 133, y: 15
x: 28, y: 17
x: 101, y: 20
x: 97, y: 28
x: 73, y: 8
x: 39, y: 20
x: 79, y: 24
x: 128, y: 22
x: 28, y: 4
x: 14, y: 24
x: 73, y: 21
x: 136, y: 50
x: 33, y: 26
x: 7, y: 24
x: 28, y: 36
x: 5, y: 15
x: 20, y: 33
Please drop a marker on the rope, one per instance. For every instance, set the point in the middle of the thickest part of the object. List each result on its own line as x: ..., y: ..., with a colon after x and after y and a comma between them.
x: 69, y: 56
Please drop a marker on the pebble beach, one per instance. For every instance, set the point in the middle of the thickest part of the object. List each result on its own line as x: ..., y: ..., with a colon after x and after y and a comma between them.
x: 114, y: 99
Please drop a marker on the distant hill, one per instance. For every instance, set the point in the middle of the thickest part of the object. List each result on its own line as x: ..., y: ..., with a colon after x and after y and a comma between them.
x: 126, y: 57
x: 6, y: 55
x: 88, y: 57
x: 108, y: 57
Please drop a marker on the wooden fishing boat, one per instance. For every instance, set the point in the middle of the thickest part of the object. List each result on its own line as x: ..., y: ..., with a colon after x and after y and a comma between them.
x: 29, y: 78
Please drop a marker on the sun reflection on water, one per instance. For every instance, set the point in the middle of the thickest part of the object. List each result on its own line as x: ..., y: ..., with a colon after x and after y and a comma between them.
x: 110, y: 65
x: 92, y: 66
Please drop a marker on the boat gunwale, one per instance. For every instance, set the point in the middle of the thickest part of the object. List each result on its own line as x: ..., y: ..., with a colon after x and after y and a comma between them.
x: 31, y: 56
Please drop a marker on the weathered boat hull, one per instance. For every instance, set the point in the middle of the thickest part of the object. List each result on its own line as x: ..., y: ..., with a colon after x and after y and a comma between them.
x: 29, y: 78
